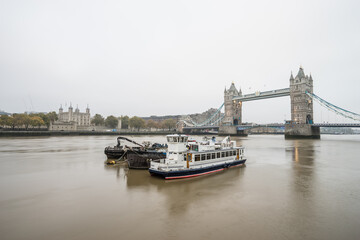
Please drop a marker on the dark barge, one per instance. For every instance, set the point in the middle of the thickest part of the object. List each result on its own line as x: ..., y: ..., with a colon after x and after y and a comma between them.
x: 137, y: 157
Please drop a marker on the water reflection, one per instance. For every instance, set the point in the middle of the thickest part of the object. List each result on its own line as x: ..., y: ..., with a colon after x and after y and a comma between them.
x: 302, y: 193
x: 180, y: 194
x: 121, y: 169
x: 303, y: 156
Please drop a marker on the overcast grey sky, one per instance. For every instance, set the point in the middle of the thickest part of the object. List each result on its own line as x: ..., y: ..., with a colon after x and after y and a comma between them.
x: 175, y: 57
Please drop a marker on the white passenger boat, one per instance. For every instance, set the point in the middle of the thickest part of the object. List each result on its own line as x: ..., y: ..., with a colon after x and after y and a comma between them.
x: 186, y: 159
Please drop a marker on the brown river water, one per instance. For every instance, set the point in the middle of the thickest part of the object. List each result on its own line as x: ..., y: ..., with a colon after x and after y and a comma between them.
x: 59, y: 188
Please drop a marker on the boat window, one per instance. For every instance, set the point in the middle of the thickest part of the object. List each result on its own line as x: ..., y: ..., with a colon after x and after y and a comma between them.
x: 181, y: 139
x: 213, y: 156
x: 195, y: 147
x: 234, y: 153
x: 218, y: 155
x: 197, y: 157
x: 222, y: 154
x: 175, y: 139
x: 184, y: 157
x: 169, y: 139
x: 185, y: 139
x: 227, y: 154
x: 208, y: 156
x: 203, y: 156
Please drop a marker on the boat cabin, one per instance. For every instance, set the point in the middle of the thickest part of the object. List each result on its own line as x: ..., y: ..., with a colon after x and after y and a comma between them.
x: 177, y: 146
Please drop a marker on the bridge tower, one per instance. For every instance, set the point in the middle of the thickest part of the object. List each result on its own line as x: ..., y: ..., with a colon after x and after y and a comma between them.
x: 302, y: 111
x: 233, y: 112
x: 232, y: 107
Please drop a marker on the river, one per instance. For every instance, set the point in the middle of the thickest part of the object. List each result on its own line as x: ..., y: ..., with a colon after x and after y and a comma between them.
x: 59, y: 188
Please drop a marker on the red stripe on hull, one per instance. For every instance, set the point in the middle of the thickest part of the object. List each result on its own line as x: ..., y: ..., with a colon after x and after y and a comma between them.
x: 200, y: 174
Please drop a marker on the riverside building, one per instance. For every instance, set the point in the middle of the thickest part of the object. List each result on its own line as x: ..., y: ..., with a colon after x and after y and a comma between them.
x: 72, y: 120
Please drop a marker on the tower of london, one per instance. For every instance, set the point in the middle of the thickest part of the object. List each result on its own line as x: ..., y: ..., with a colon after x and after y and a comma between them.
x: 72, y: 120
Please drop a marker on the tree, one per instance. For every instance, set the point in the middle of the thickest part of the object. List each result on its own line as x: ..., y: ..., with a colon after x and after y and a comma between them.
x: 52, y: 117
x: 98, y: 120
x: 36, y: 121
x: 169, y: 123
x: 124, y: 122
x: 44, y: 117
x: 152, y: 124
x: 111, y: 122
x: 21, y: 119
x: 5, y: 120
x: 136, y: 122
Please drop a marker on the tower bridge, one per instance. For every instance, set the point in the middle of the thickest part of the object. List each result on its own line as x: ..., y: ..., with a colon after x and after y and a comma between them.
x: 301, y: 98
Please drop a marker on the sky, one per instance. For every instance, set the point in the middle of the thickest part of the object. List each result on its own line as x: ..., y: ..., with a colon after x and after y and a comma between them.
x: 142, y: 58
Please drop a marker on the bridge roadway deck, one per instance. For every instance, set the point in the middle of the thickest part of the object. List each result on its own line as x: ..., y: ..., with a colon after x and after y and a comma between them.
x: 354, y: 125
x: 279, y: 125
x: 263, y: 95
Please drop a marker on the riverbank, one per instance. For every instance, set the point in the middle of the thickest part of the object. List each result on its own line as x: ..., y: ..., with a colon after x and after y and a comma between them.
x: 77, y: 133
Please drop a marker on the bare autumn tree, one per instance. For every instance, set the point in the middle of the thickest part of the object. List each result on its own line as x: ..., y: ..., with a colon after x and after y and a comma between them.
x: 98, y: 120
x: 169, y: 123
x: 111, y: 121
x: 36, y: 121
x: 136, y: 122
x: 152, y: 124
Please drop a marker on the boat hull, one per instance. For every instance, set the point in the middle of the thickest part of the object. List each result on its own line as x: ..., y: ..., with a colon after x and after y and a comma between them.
x: 114, y: 153
x: 142, y: 160
x: 188, y: 173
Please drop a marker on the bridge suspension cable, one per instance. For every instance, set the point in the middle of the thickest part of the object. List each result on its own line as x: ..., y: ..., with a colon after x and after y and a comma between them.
x: 214, y: 119
x: 334, y: 108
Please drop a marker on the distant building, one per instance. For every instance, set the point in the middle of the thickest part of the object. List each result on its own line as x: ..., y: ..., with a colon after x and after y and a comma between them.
x: 72, y: 120
x: 4, y: 113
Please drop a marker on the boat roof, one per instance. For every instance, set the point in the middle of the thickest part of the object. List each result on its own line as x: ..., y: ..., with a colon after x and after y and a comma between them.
x: 215, y: 150
x: 177, y: 135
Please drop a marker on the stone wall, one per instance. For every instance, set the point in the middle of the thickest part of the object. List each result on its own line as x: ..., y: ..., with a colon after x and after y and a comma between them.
x: 297, y: 131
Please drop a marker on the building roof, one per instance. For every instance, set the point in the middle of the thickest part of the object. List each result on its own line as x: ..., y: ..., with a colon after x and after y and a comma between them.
x: 233, y: 89
x: 291, y: 76
x: 301, y: 73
